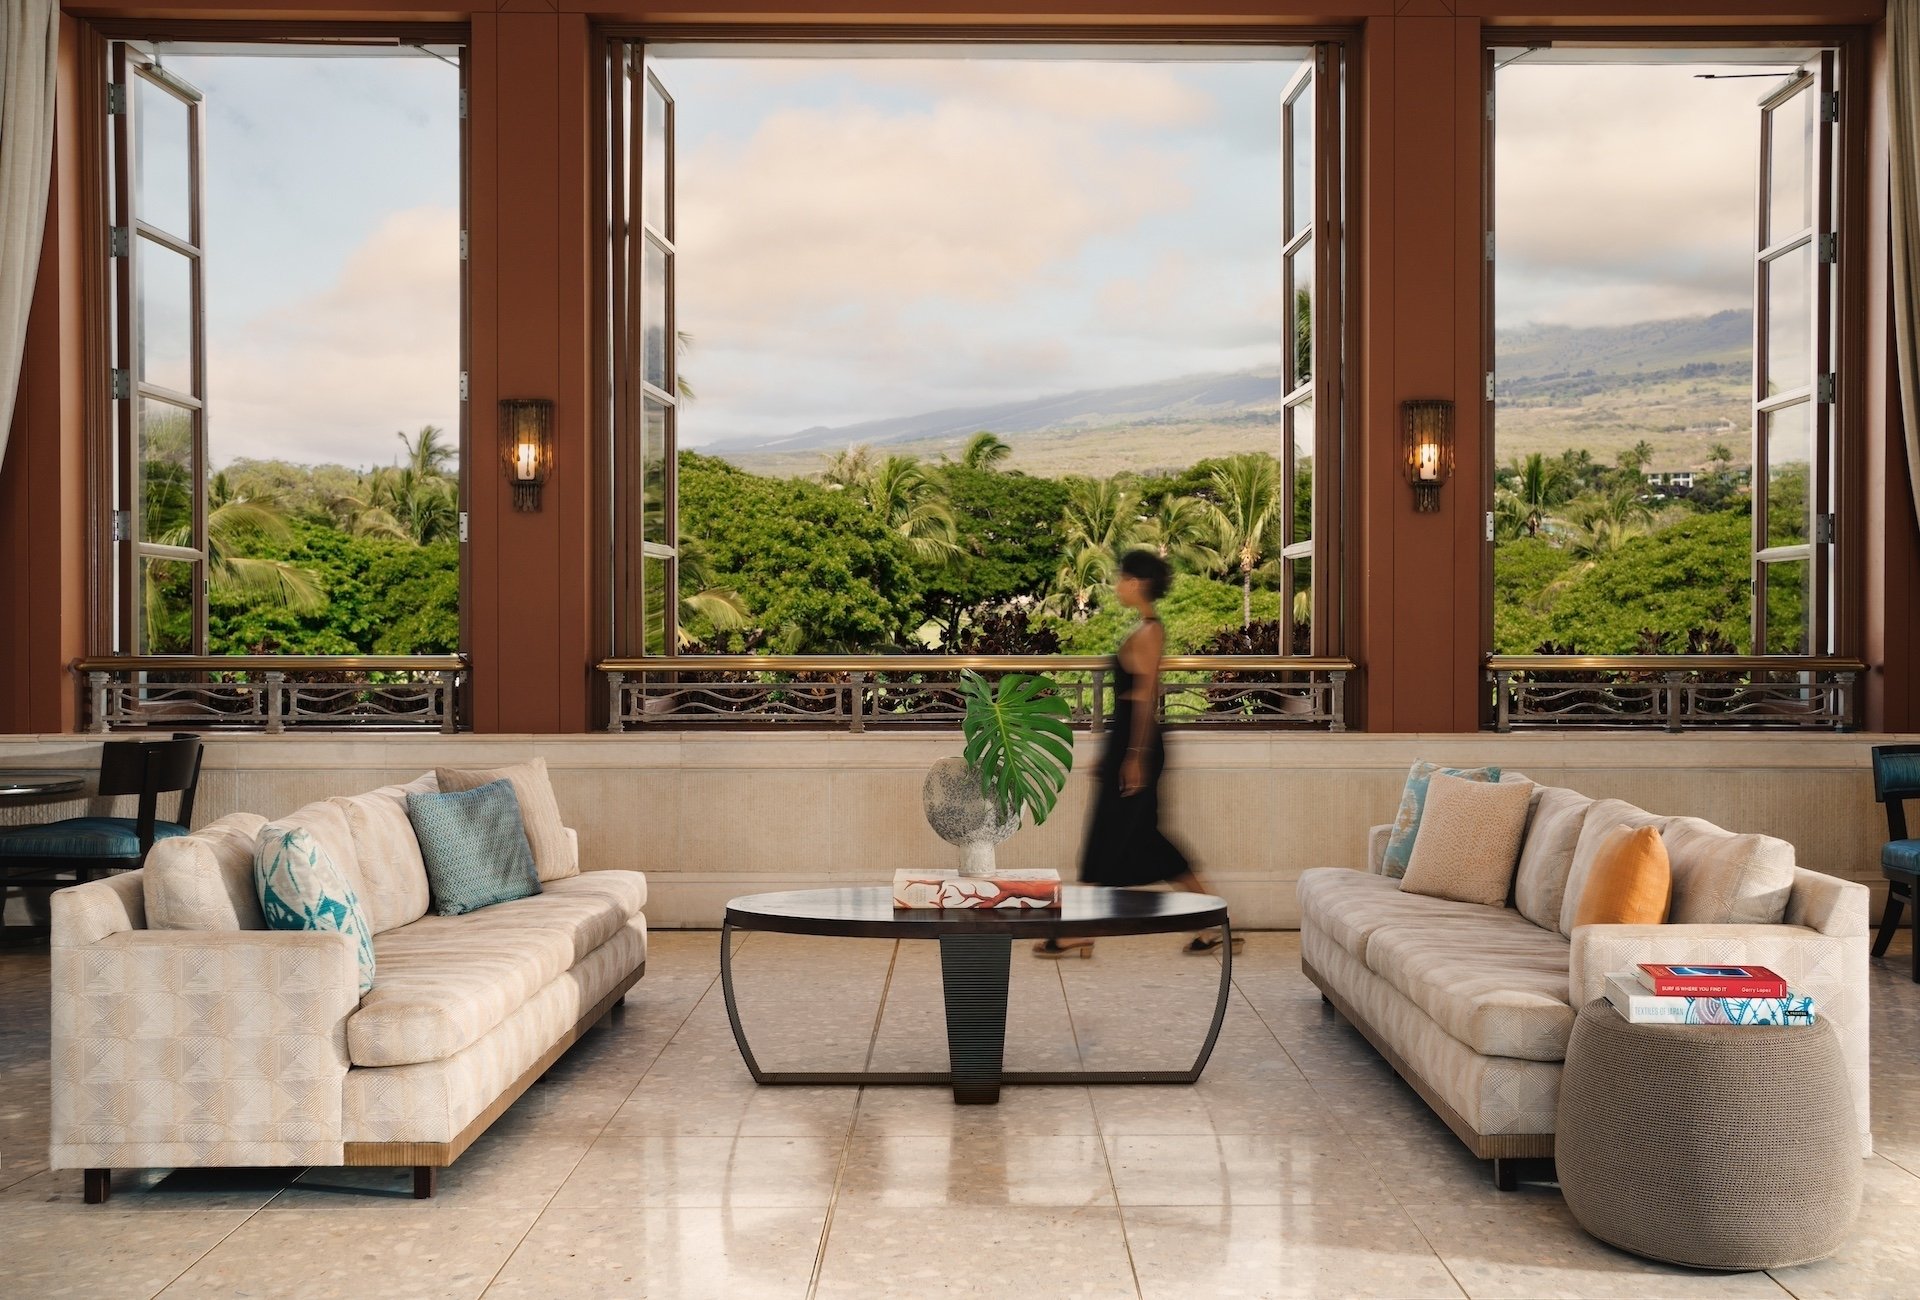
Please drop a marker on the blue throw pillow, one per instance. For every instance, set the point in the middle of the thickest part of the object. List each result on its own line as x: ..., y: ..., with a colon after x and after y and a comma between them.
x: 301, y: 887
x: 475, y: 847
x: 1413, y: 802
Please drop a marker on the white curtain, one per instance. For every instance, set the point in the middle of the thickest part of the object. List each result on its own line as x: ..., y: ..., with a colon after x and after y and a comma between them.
x: 1903, y: 57
x: 29, y: 36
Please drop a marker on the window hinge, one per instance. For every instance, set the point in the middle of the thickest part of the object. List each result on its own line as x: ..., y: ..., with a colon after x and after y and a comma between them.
x: 122, y: 525
x: 1489, y: 525
x: 1823, y: 528
x: 463, y: 525
x: 1489, y: 385
x: 463, y: 245
x: 1489, y: 106
x: 463, y: 385
x: 463, y: 105
x: 1830, y: 106
x: 119, y: 241
x: 1830, y: 248
x: 1825, y: 388
x: 122, y: 384
x: 116, y: 98
x: 1489, y: 245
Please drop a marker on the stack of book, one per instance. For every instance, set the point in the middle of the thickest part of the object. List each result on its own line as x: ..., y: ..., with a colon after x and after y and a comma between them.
x: 1655, y: 994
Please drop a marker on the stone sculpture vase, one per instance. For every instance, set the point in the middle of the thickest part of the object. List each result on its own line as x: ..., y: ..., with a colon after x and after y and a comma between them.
x: 960, y: 814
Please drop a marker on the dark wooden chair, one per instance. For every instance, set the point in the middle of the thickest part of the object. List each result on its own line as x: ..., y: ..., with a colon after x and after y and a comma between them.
x: 1896, y: 778
x: 78, y: 849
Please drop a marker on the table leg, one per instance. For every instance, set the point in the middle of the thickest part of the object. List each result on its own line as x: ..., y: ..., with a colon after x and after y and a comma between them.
x: 733, y: 1009
x: 973, y: 975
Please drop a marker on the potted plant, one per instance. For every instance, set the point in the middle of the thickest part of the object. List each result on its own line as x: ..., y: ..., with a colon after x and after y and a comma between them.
x: 1018, y: 752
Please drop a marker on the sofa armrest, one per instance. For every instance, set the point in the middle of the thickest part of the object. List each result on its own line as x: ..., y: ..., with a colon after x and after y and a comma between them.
x: 1377, y: 847
x: 201, y: 1047
x: 1828, y: 904
x: 1830, y: 968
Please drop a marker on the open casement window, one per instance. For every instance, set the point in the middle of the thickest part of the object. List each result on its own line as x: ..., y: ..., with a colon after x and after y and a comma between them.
x: 1794, y: 386
x: 1310, y: 117
x: 646, y: 378
x: 160, y: 373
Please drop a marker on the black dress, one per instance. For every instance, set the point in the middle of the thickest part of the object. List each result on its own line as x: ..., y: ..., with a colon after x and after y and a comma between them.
x: 1125, y: 845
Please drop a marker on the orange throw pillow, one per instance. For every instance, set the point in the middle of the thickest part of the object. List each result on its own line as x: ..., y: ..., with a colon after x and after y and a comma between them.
x: 1631, y: 882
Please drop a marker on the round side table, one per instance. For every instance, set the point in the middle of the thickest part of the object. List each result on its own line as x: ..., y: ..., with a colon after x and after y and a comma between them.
x: 1715, y: 1146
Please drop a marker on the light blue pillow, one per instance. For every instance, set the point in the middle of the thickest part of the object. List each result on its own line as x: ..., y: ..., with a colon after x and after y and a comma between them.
x: 475, y: 847
x: 1413, y: 803
x: 302, y: 888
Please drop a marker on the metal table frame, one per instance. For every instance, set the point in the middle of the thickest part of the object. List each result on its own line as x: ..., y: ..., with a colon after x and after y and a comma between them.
x: 974, y: 970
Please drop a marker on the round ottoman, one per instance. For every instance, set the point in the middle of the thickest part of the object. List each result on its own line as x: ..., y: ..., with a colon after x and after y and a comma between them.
x: 1717, y: 1146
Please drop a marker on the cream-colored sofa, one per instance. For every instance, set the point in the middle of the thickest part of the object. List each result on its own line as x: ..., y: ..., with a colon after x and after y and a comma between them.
x: 186, y: 1033
x: 1472, y: 1005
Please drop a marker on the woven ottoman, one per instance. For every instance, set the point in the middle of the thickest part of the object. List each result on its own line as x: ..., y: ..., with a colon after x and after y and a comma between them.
x: 1716, y: 1146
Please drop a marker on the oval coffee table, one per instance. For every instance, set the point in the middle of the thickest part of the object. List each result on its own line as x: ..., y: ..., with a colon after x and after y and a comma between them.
x: 976, y: 950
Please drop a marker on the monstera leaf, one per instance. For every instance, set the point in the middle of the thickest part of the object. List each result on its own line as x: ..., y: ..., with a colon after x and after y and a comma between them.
x: 1018, y: 740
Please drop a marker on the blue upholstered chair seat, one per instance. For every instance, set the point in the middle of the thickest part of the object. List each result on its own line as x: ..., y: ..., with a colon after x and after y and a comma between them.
x: 1904, y: 854
x: 81, y: 837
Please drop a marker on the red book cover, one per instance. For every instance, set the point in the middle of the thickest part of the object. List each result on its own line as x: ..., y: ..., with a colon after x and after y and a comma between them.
x: 1703, y: 981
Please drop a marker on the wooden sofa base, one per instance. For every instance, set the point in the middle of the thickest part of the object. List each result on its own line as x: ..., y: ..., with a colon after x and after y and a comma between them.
x: 1501, y: 1148
x: 426, y: 1158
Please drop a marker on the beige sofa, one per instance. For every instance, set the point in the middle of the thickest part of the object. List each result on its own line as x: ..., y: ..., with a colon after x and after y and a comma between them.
x: 186, y: 1033
x: 1472, y: 1005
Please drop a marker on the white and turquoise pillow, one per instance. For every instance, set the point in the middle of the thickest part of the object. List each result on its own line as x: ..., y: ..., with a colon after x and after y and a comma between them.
x: 1413, y: 802
x: 475, y: 847
x: 302, y: 888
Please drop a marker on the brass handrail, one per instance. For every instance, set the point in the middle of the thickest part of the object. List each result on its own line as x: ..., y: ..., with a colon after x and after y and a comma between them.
x: 1673, y: 663
x: 919, y: 663
x: 290, y: 663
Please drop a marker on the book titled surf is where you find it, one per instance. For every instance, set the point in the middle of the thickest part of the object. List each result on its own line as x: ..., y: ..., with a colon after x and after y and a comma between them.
x: 1711, y: 981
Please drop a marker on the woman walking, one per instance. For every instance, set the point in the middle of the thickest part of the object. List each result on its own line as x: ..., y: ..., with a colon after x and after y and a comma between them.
x: 1125, y: 845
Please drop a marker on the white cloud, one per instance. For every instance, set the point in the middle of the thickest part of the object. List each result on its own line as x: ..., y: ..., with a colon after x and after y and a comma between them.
x: 333, y: 376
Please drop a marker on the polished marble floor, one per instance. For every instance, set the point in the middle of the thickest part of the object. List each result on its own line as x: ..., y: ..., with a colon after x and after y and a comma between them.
x: 647, y: 1164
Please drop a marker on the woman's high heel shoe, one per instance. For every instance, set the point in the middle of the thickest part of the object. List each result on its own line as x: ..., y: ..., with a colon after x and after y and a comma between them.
x: 1054, y: 948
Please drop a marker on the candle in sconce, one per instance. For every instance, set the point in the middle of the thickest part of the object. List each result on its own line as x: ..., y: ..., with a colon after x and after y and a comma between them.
x: 1429, y: 467
x: 524, y: 456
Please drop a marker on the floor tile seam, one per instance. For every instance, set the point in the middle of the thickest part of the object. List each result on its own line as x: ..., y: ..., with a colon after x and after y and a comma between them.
x: 225, y: 1237
x: 1106, y: 1148
x: 587, y: 1150
x: 846, y: 1139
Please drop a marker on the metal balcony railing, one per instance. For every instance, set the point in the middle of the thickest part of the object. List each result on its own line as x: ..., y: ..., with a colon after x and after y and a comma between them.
x: 272, y: 693
x: 1675, y: 692
x: 861, y: 692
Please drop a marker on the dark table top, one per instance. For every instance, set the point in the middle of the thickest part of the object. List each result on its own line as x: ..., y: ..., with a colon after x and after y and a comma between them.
x: 868, y: 912
x: 39, y: 785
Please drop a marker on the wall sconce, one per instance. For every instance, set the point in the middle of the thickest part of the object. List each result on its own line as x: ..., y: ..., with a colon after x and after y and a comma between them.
x: 1429, y: 444
x: 526, y: 439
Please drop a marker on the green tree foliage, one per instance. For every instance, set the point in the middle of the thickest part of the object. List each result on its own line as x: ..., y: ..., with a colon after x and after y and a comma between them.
x: 1008, y: 528
x: 1194, y: 611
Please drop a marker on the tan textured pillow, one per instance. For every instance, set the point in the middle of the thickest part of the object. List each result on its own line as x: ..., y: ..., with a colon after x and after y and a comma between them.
x: 1630, y: 882
x: 554, y: 856
x: 204, y: 881
x: 1469, y: 840
x: 1546, y: 857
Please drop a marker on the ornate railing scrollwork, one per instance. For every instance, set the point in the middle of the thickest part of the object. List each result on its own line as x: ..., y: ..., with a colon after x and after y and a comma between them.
x: 272, y: 693
x: 1675, y: 692
x: 861, y: 692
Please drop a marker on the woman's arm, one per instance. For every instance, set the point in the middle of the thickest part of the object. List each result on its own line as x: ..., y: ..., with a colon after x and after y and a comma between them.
x: 1141, y: 655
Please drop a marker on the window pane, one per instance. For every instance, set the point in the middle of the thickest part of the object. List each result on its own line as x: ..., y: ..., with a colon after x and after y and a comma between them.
x: 1300, y: 147
x: 1789, y: 358
x: 1302, y: 524
x: 1300, y: 355
x: 166, y: 608
x: 653, y: 469
x: 1787, y: 608
x: 654, y: 575
x: 163, y: 160
x: 166, y: 473
x: 1790, y: 167
x: 653, y: 164
x: 166, y: 318
x: 653, y: 308
x: 1302, y: 607
x: 1789, y: 463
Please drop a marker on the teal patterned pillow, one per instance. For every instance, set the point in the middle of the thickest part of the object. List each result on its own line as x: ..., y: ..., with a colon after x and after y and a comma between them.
x: 475, y: 847
x: 1413, y: 802
x: 302, y: 888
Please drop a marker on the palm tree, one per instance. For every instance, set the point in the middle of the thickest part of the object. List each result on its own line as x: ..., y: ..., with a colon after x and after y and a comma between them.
x: 1084, y: 570
x: 848, y: 467
x: 1181, y: 531
x: 1720, y: 455
x: 1539, y: 485
x: 1098, y: 514
x: 233, y: 524
x: 429, y: 454
x: 1246, y: 517
x: 1637, y: 457
x: 701, y: 596
x: 421, y: 504
x: 985, y: 450
x: 907, y: 498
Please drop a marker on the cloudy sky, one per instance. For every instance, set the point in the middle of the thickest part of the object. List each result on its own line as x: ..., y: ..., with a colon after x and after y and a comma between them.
x: 878, y: 237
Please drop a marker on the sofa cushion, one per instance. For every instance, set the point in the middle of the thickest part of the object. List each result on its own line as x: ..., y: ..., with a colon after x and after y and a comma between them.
x: 447, y: 980
x: 302, y: 888
x: 1413, y: 801
x: 475, y: 847
x: 1497, y: 982
x: 554, y: 851
x: 1720, y: 878
x: 1546, y: 856
x: 1630, y: 882
x: 1469, y: 840
x: 1602, y: 816
x: 204, y: 881
x: 1353, y: 906
x: 393, y: 879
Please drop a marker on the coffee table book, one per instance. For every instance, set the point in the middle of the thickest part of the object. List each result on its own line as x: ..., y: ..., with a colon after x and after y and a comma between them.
x: 946, y: 888
x: 1631, y: 999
